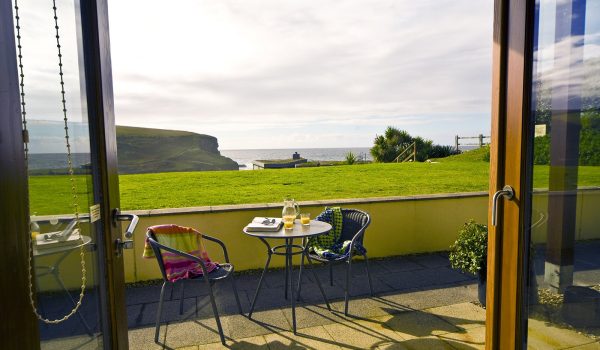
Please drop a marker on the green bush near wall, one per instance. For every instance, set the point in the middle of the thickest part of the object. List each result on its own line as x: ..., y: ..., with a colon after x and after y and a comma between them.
x: 589, y: 142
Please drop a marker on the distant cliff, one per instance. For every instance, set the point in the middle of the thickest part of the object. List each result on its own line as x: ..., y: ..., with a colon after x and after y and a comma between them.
x: 144, y: 150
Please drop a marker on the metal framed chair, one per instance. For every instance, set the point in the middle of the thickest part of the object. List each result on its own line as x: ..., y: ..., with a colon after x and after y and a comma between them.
x: 225, y: 271
x: 354, y: 225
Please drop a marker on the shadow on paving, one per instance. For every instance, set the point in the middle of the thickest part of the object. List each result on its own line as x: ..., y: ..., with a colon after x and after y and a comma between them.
x: 401, y: 284
x: 391, y: 276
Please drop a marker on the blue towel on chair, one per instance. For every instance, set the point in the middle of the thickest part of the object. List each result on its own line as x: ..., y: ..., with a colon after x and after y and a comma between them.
x: 328, y: 246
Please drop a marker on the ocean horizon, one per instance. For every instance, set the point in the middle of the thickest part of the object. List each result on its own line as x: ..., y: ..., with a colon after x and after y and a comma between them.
x: 243, y: 157
x: 246, y: 156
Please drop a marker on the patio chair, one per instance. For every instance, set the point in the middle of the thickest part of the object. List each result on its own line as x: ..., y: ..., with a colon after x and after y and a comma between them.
x: 354, y: 225
x: 224, y: 271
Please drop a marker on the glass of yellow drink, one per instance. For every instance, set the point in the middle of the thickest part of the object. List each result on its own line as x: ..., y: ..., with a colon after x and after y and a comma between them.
x: 305, y: 219
x: 288, y: 221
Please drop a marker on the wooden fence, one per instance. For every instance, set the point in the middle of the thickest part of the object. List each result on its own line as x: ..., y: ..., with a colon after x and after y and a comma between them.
x: 481, y: 140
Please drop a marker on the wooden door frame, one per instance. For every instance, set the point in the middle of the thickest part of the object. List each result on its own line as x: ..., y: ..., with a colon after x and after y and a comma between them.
x: 94, y: 40
x: 509, y: 156
x: 19, y: 328
x: 97, y: 97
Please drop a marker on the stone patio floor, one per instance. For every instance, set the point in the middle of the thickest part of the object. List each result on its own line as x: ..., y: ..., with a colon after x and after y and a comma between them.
x: 419, y: 303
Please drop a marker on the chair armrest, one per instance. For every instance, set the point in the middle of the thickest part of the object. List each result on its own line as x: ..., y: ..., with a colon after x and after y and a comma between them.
x: 180, y: 253
x: 219, y: 242
x: 358, y: 236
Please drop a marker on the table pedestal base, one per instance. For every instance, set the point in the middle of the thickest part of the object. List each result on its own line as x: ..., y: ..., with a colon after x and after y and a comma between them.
x: 289, y: 283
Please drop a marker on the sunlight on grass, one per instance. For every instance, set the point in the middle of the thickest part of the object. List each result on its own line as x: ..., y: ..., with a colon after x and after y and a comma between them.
x: 51, y: 194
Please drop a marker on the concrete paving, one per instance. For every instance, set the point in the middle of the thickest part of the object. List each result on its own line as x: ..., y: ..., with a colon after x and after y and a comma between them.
x: 419, y: 303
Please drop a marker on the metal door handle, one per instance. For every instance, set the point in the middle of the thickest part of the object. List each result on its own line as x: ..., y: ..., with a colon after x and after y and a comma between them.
x: 124, y: 244
x: 117, y: 216
x: 507, y: 192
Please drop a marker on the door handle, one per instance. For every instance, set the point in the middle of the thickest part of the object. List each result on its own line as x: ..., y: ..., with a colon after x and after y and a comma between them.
x: 117, y: 216
x: 507, y: 192
x: 124, y: 244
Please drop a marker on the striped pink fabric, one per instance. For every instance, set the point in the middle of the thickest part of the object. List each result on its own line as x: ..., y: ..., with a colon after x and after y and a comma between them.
x: 184, y: 239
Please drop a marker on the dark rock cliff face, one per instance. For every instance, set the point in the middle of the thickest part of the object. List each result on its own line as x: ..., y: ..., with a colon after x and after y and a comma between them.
x: 207, y: 143
x: 143, y: 150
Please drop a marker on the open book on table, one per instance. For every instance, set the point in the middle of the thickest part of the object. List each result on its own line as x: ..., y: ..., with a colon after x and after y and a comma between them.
x: 264, y: 224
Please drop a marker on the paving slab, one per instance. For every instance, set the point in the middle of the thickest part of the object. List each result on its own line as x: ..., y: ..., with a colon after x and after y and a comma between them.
x: 472, y: 338
x: 307, y: 338
x: 418, y: 324
x: 463, y: 316
x: 433, y: 260
x: 591, y: 346
x: 356, y: 336
x: 251, y: 343
x: 542, y: 335
x: 425, y: 343
x: 262, y: 322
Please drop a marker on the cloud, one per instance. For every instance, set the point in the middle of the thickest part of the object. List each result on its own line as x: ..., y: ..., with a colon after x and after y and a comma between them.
x: 234, y: 68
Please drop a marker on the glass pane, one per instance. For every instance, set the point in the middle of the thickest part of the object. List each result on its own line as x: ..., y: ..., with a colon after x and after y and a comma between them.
x: 56, y: 148
x: 564, y: 269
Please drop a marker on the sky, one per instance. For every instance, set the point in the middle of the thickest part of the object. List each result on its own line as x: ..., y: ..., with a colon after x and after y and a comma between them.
x: 284, y: 74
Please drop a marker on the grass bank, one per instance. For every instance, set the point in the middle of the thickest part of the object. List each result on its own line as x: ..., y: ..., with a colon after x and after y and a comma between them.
x: 463, y: 173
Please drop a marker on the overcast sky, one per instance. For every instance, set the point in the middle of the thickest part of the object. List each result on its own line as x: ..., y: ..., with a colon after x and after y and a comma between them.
x: 292, y: 74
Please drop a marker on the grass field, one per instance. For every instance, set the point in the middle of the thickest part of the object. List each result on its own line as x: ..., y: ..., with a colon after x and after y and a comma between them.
x: 463, y: 173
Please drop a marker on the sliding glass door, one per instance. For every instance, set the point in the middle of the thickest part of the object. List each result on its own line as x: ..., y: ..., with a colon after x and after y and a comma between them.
x: 545, y: 243
x: 59, y: 178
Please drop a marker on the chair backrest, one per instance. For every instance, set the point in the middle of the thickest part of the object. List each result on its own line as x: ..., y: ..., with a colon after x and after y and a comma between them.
x: 157, y: 253
x: 353, y: 221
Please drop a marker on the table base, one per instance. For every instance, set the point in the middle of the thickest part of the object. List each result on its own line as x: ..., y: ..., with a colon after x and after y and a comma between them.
x: 289, y: 283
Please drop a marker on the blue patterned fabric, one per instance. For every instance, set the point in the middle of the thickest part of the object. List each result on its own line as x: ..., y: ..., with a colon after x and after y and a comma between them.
x: 329, y: 246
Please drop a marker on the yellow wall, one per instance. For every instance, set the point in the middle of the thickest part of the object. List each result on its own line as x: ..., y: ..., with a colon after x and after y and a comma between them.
x: 398, y: 227
x: 402, y: 225
x: 587, y: 221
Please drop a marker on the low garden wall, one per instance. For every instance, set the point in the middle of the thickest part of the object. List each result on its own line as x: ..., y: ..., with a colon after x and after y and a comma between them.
x: 400, y: 225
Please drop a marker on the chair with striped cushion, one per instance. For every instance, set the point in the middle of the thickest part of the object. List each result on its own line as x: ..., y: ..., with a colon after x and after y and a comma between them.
x: 180, y: 254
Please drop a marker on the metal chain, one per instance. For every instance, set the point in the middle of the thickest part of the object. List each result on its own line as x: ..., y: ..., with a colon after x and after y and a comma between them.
x: 69, y: 166
x: 22, y: 85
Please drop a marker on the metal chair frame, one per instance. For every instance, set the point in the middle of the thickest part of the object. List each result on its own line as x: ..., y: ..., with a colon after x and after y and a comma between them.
x: 354, y: 225
x: 157, y: 247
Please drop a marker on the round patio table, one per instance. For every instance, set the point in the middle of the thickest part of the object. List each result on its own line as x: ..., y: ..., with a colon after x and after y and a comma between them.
x: 53, y: 270
x: 289, y: 249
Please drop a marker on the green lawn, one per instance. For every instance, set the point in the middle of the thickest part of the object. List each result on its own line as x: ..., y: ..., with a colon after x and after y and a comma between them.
x: 51, y: 194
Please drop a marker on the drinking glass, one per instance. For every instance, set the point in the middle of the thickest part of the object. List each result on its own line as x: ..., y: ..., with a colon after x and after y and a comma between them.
x: 305, y: 219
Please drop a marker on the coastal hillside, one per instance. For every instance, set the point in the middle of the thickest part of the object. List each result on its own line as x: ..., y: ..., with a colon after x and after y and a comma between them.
x: 144, y: 150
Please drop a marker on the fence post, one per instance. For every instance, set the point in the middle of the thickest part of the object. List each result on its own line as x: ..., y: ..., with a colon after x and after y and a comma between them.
x: 480, y: 140
x: 414, y: 152
x: 456, y: 142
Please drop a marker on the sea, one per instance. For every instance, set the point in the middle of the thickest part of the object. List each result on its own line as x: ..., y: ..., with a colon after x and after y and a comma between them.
x: 244, y: 157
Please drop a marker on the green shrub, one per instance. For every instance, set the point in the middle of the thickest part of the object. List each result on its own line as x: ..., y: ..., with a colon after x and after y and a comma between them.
x: 387, y: 147
x: 469, y: 252
x: 486, y: 154
x: 589, y: 142
x: 350, y: 158
x: 440, y: 151
x: 541, y: 150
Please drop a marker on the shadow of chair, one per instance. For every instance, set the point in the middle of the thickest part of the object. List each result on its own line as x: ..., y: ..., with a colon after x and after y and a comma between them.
x: 225, y: 271
x: 354, y: 225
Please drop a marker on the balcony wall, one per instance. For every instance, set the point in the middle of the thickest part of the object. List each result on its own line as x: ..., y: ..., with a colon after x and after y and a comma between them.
x: 400, y: 225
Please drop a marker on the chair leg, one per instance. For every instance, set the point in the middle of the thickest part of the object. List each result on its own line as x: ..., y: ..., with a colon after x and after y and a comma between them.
x: 181, y: 297
x: 160, y: 303
x: 368, y: 274
x: 312, y: 269
x: 330, y: 273
x: 215, y: 311
x: 235, y: 293
x: 347, y: 291
x: 300, y: 277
